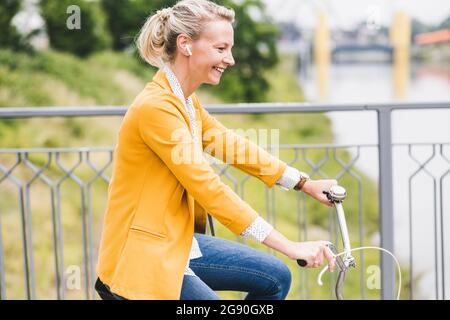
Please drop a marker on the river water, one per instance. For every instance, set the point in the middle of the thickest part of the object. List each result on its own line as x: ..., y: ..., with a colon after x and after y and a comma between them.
x: 379, y: 83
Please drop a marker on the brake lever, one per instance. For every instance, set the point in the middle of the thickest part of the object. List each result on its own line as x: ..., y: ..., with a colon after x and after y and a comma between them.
x: 338, y: 259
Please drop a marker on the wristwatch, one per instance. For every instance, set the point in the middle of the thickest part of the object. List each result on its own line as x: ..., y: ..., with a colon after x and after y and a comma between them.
x: 303, y: 178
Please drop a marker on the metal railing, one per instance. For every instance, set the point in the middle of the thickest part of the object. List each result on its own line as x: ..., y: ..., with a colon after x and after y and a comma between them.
x: 22, y: 169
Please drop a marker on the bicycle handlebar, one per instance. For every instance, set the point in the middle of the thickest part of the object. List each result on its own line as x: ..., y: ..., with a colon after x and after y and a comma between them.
x: 336, y: 195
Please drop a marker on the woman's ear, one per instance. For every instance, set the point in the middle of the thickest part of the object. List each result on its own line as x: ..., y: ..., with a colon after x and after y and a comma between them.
x: 183, y: 44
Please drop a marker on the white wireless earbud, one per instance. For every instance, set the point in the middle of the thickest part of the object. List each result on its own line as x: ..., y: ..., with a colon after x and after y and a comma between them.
x: 188, y: 48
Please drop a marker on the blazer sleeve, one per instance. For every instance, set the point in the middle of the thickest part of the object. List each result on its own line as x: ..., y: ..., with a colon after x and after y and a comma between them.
x: 238, y: 151
x: 164, y: 130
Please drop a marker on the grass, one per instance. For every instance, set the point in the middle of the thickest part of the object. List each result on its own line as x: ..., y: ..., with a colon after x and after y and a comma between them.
x: 108, y: 78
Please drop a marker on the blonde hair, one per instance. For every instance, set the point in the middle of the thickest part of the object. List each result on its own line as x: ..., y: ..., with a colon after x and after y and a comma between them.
x: 157, y: 40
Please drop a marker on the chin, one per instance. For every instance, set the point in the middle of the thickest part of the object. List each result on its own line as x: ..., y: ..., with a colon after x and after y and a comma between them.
x: 213, y: 79
x: 217, y: 80
x: 213, y: 82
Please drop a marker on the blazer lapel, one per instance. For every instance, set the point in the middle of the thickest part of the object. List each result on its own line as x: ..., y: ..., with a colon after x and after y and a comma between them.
x: 161, y: 79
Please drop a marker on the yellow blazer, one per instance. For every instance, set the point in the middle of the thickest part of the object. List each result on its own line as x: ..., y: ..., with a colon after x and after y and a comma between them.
x: 155, y: 200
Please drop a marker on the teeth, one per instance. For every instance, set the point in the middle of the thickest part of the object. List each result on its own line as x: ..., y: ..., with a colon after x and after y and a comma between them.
x: 219, y: 69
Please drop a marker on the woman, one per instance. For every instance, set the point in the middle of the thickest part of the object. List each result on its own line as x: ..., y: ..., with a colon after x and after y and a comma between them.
x: 162, y: 186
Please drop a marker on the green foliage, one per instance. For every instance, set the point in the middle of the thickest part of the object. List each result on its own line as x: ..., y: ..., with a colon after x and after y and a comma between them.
x: 445, y: 23
x: 124, y: 60
x: 90, y: 37
x: 56, y: 78
x: 254, y: 52
x: 8, y: 9
x: 125, y: 18
x: 10, y: 37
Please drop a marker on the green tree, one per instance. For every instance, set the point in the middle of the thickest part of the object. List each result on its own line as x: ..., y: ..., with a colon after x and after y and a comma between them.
x: 125, y: 17
x: 418, y: 27
x: 445, y: 23
x: 76, y: 26
x: 9, y: 36
x: 254, y: 51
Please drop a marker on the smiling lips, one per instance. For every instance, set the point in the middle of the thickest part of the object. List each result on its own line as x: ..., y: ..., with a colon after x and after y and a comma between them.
x: 221, y: 70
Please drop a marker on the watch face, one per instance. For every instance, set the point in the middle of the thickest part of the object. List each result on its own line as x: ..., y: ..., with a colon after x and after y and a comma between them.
x: 304, y: 175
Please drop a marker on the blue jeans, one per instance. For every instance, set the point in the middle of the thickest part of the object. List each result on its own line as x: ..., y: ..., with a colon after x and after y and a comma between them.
x: 229, y: 265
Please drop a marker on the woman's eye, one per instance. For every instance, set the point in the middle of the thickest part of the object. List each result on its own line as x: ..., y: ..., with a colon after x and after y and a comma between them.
x: 220, y: 49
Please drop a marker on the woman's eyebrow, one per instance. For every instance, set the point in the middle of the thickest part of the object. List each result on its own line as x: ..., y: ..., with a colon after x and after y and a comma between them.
x: 223, y: 43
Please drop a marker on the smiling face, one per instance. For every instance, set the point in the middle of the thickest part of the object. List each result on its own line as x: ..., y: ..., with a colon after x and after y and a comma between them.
x: 211, y: 52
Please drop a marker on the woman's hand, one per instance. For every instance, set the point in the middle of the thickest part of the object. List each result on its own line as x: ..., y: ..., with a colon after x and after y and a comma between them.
x: 313, y: 252
x: 315, y: 189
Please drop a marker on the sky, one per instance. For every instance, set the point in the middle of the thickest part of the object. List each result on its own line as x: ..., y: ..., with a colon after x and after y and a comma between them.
x: 346, y: 13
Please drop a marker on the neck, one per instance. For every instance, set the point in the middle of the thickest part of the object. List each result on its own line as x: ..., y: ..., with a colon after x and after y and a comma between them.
x: 181, y: 71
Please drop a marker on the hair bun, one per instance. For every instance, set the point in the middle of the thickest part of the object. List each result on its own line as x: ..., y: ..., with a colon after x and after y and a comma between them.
x: 163, y: 14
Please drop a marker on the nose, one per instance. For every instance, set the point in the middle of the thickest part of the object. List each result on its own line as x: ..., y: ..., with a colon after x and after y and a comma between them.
x: 229, y: 60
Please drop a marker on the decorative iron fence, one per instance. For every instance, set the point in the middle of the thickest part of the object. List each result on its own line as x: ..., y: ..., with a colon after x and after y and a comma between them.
x: 63, y: 191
